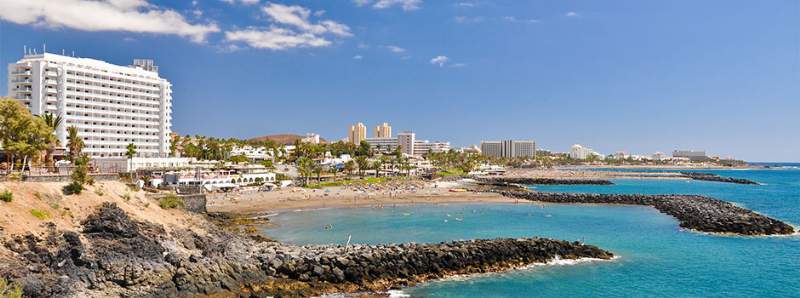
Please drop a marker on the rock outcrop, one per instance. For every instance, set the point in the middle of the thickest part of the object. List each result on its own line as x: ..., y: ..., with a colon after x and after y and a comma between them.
x: 698, y: 213
x: 117, y: 256
x: 543, y: 181
x: 715, y: 178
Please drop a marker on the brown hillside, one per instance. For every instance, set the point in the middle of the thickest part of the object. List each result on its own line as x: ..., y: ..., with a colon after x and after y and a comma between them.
x: 286, y: 139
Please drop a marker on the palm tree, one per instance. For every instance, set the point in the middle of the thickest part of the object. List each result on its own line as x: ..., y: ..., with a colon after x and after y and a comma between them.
x: 363, y: 163
x: 130, y: 154
x: 377, y: 165
x: 74, y: 144
x: 305, y: 166
x: 52, y: 121
x: 349, y: 166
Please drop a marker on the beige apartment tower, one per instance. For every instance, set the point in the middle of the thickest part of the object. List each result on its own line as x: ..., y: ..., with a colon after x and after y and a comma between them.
x: 357, y: 133
x: 383, y: 131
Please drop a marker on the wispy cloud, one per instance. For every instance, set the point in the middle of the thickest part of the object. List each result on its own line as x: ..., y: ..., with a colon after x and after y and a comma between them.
x: 517, y: 20
x: 105, y: 15
x: 406, y: 5
x: 395, y: 49
x: 466, y: 4
x: 439, y: 60
x: 291, y: 27
x: 358, y: 57
x: 571, y: 14
x: 245, y: 2
x: 468, y: 19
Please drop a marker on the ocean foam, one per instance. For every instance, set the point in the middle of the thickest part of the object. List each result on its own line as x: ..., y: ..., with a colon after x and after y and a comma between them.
x: 397, y: 294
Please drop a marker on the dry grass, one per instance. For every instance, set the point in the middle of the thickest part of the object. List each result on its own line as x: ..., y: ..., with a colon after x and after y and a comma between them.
x: 66, y: 212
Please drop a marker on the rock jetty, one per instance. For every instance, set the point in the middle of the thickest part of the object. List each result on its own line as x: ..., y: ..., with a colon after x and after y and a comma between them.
x: 543, y: 181
x: 715, y: 178
x: 116, y: 256
x: 698, y: 213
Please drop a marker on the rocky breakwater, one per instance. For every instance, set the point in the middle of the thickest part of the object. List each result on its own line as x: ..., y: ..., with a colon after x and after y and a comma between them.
x: 715, y: 178
x: 698, y: 213
x: 543, y: 181
x: 116, y: 256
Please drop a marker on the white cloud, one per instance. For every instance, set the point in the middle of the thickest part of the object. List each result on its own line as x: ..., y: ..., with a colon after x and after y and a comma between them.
x: 276, y: 39
x: 361, y: 3
x: 439, y: 60
x: 516, y: 20
x: 298, y: 16
x: 245, y: 2
x: 104, y: 15
x: 571, y: 14
x: 291, y: 27
x: 358, y: 57
x: 395, y: 49
x: 406, y: 5
x: 466, y: 19
x: 466, y: 4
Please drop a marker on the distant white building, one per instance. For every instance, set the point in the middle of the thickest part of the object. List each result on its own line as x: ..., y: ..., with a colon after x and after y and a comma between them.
x: 110, y: 105
x: 253, y: 152
x: 508, y: 148
x: 580, y: 152
x: 692, y: 155
x: 310, y: 138
x: 408, y: 144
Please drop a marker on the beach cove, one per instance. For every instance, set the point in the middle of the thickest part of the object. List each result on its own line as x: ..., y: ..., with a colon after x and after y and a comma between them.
x: 656, y: 257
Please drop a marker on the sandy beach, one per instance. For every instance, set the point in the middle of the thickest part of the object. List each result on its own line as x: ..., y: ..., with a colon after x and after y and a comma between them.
x: 295, y: 198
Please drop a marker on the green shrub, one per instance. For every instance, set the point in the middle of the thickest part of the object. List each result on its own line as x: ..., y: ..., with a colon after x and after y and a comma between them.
x: 6, y: 196
x: 99, y: 191
x: 15, y: 176
x: 74, y: 188
x: 10, y: 289
x: 170, y: 202
x: 126, y: 196
x: 40, y: 214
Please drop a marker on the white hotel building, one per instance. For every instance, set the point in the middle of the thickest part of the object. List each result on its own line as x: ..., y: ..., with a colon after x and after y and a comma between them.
x: 111, y: 105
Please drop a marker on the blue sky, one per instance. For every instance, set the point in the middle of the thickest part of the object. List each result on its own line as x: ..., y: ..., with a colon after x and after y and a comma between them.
x: 639, y: 76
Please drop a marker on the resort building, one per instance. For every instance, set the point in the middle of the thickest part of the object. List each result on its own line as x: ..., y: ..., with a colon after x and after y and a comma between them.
x: 692, y: 155
x: 357, y: 133
x: 383, y: 131
x: 405, y: 140
x: 110, y: 105
x: 580, y: 152
x: 408, y: 144
x: 311, y: 138
x: 508, y: 148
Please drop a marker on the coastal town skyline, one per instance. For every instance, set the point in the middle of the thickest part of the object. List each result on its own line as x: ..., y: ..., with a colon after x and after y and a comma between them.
x: 297, y: 89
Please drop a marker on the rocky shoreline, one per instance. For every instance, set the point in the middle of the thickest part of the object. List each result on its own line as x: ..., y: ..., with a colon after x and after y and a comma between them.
x: 694, y: 212
x: 543, y: 181
x: 716, y: 178
x: 115, y: 255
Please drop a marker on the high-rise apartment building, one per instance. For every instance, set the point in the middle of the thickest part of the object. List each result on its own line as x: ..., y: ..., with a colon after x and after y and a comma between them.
x: 357, y: 133
x: 383, y: 131
x: 110, y: 105
x: 406, y: 141
x: 508, y: 148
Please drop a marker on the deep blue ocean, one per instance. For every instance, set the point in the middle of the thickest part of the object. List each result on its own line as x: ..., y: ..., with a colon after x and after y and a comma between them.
x: 657, y: 258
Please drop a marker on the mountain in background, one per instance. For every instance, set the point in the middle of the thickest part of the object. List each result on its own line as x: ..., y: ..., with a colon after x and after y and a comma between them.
x: 285, y: 139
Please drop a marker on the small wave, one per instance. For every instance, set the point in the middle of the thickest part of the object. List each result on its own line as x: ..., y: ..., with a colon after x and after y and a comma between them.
x: 397, y: 294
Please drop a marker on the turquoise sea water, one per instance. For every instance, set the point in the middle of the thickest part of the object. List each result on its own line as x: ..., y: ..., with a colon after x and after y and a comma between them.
x: 657, y: 259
